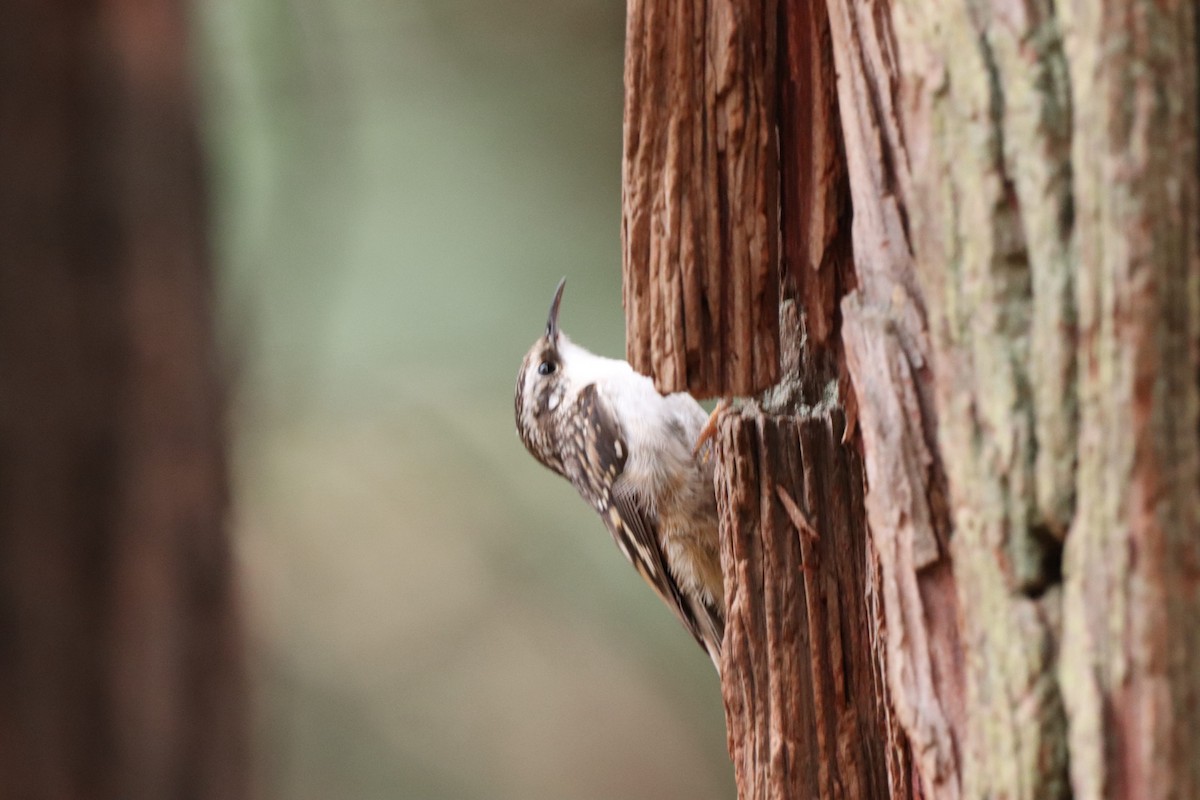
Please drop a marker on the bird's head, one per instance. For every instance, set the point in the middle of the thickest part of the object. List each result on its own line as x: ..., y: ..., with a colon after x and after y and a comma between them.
x: 542, y: 387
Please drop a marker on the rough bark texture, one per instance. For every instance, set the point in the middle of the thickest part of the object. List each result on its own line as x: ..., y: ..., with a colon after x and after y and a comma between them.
x: 966, y: 223
x: 1052, y: 213
x: 806, y: 698
x: 119, y: 670
x: 802, y: 679
x: 814, y: 196
x: 700, y: 202
x: 1020, y: 328
x: 888, y: 356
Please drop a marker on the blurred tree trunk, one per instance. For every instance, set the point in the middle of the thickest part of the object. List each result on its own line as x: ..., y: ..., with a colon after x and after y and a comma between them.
x: 988, y: 267
x: 119, y: 645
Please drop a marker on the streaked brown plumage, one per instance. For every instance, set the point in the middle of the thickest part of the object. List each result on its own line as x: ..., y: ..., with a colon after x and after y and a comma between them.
x: 628, y: 451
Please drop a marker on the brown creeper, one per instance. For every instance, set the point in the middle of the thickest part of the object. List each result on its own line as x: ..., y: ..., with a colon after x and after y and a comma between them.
x: 628, y: 450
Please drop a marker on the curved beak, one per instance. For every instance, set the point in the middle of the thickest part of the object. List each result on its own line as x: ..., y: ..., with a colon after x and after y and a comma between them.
x: 552, y: 319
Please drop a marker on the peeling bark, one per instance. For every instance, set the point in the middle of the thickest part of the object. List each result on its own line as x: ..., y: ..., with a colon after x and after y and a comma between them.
x: 700, y: 202
x: 888, y: 355
x: 1013, y: 329
x: 802, y: 677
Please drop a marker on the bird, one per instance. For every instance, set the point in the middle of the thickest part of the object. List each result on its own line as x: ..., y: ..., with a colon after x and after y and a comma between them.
x: 636, y: 457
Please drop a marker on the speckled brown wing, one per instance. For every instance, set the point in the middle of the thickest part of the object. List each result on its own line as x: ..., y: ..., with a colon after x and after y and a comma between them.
x: 629, y: 524
x: 594, y: 462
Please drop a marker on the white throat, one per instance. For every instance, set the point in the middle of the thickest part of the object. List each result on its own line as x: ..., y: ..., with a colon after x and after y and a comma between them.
x: 584, y: 367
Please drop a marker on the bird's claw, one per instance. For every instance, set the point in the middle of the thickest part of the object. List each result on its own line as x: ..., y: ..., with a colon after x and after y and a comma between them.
x: 710, y: 429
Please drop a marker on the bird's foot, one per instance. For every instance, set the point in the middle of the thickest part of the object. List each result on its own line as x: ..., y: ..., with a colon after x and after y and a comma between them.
x: 710, y: 428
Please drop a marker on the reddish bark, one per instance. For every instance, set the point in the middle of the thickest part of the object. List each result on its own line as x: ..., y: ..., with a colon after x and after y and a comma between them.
x: 700, y: 197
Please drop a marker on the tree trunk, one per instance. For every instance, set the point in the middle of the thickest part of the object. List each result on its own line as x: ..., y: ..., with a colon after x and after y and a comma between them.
x: 1013, y: 332
x: 120, y: 664
x: 803, y: 674
x: 700, y: 195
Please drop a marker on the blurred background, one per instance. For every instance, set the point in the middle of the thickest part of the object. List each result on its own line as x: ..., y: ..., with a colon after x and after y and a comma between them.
x: 396, y: 188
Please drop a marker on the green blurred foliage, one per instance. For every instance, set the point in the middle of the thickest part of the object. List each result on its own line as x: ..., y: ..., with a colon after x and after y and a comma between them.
x: 397, y: 187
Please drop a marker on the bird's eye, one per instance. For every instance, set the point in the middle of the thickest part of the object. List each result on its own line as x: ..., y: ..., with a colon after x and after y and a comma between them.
x: 546, y: 367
